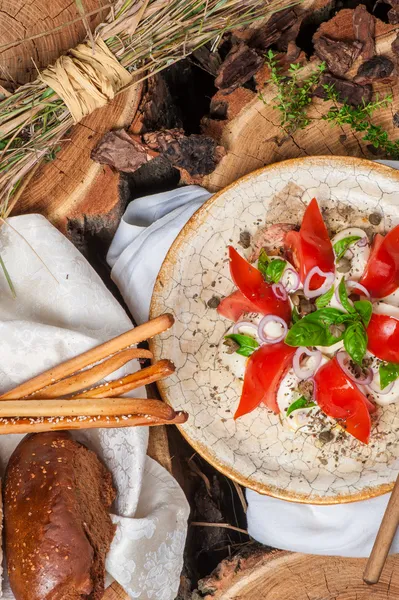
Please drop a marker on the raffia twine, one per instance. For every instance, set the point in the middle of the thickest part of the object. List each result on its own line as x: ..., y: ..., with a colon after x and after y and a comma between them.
x: 86, y: 78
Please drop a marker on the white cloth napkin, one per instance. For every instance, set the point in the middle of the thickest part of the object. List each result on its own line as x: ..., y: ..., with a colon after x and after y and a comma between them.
x: 147, y: 230
x: 50, y: 322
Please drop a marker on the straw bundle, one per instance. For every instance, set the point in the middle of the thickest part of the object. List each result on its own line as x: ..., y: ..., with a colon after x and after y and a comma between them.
x: 145, y: 36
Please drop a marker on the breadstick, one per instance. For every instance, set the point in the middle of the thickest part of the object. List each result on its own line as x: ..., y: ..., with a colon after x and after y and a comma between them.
x: 117, y: 344
x: 88, y: 377
x: 91, y: 407
x: 118, y: 387
x: 21, y: 425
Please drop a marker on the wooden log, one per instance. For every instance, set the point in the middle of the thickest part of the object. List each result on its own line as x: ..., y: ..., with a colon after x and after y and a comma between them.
x: 292, y: 576
x: 72, y: 191
x: 253, y: 137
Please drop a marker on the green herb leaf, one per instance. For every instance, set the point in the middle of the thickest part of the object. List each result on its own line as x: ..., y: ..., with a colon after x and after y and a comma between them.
x: 295, y: 315
x: 324, y: 300
x: 343, y: 297
x: 314, y: 329
x: 302, y: 402
x: 341, y: 247
x: 355, y: 342
x: 347, y: 318
x: 247, y: 344
x: 388, y: 372
x: 271, y: 270
x: 365, y: 309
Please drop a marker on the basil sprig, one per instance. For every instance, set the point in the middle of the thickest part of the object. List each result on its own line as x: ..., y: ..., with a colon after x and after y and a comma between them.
x: 343, y: 297
x: 314, y: 329
x: 272, y: 270
x: 355, y: 341
x: 324, y: 300
x: 388, y: 372
x: 302, y: 402
x: 341, y: 247
x: 247, y: 344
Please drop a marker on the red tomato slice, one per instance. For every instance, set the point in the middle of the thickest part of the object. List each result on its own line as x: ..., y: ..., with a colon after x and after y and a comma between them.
x: 311, y: 246
x: 234, y: 306
x: 339, y: 398
x: 383, y: 334
x: 251, y: 284
x: 265, y: 369
x: 381, y: 275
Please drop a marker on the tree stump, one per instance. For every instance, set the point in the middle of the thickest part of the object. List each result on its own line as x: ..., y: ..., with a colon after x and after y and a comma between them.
x: 252, y: 135
x: 73, y: 192
x: 292, y: 576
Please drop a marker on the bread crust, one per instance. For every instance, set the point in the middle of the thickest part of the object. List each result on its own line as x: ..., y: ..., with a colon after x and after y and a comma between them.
x: 57, y: 526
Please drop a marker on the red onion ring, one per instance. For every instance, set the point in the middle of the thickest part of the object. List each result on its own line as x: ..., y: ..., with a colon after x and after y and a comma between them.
x: 268, y: 340
x: 240, y: 324
x: 358, y: 286
x: 329, y: 280
x: 362, y: 242
x: 342, y: 358
x: 279, y: 291
x: 292, y: 287
x: 299, y: 371
x: 377, y: 389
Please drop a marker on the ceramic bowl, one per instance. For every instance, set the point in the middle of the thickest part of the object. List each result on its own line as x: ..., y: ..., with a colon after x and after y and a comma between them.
x: 256, y: 450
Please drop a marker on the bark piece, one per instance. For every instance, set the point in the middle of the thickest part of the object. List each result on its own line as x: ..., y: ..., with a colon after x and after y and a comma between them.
x: 377, y: 68
x: 395, y: 46
x: 271, y: 32
x: 209, y: 61
x: 348, y: 91
x: 197, y: 154
x: 338, y: 55
x: 121, y: 151
x: 157, y: 109
x: 240, y: 65
x: 364, y: 28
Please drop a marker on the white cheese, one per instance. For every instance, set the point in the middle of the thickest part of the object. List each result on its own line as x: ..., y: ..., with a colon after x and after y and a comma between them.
x: 380, y: 398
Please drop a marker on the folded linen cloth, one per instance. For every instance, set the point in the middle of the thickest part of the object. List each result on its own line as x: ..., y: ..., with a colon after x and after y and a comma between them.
x: 51, y: 321
x: 148, y: 228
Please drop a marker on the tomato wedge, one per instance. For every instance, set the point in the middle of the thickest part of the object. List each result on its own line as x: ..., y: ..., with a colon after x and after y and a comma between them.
x: 311, y: 246
x: 234, y: 306
x: 383, y: 335
x: 339, y: 398
x: 381, y: 275
x: 265, y: 369
x: 251, y: 284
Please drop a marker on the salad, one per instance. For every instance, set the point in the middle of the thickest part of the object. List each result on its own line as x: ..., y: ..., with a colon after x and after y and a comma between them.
x: 316, y: 325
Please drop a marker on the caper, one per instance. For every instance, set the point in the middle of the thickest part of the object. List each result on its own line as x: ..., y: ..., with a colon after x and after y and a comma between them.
x: 344, y: 265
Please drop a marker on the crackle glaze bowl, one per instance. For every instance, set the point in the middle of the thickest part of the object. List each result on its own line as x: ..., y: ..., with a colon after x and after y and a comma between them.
x: 256, y: 450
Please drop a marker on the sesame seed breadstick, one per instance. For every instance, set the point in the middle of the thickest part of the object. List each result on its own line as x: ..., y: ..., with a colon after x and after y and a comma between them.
x: 88, y: 377
x: 117, y: 344
x: 25, y: 425
x: 118, y: 387
x: 86, y: 407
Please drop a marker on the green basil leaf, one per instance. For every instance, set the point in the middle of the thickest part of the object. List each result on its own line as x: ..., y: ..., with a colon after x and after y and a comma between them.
x: 295, y: 315
x: 341, y: 247
x: 263, y: 261
x: 355, y: 342
x: 302, y: 402
x: 247, y: 344
x: 388, y: 372
x: 364, y: 308
x: 275, y: 269
x: 348, y: 318
x: 314, y: 329
x: 271, y: 270
x: 343, y: 297
x: 324, y: 300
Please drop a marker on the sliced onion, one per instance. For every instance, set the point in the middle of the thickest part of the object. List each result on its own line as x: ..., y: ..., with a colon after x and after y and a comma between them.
x: 377, y: 389
x: 362, y: 242
x: 239, y: 324
x: 343, y: 358
x: 299, y: 371
x: 271, y: 340
x: 279, y: 291
x: 355, y: 285
x: 329, y: 280
x: 294, y: 285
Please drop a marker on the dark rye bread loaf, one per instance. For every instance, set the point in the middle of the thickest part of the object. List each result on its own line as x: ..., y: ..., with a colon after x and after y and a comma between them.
x: 57, y: 526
